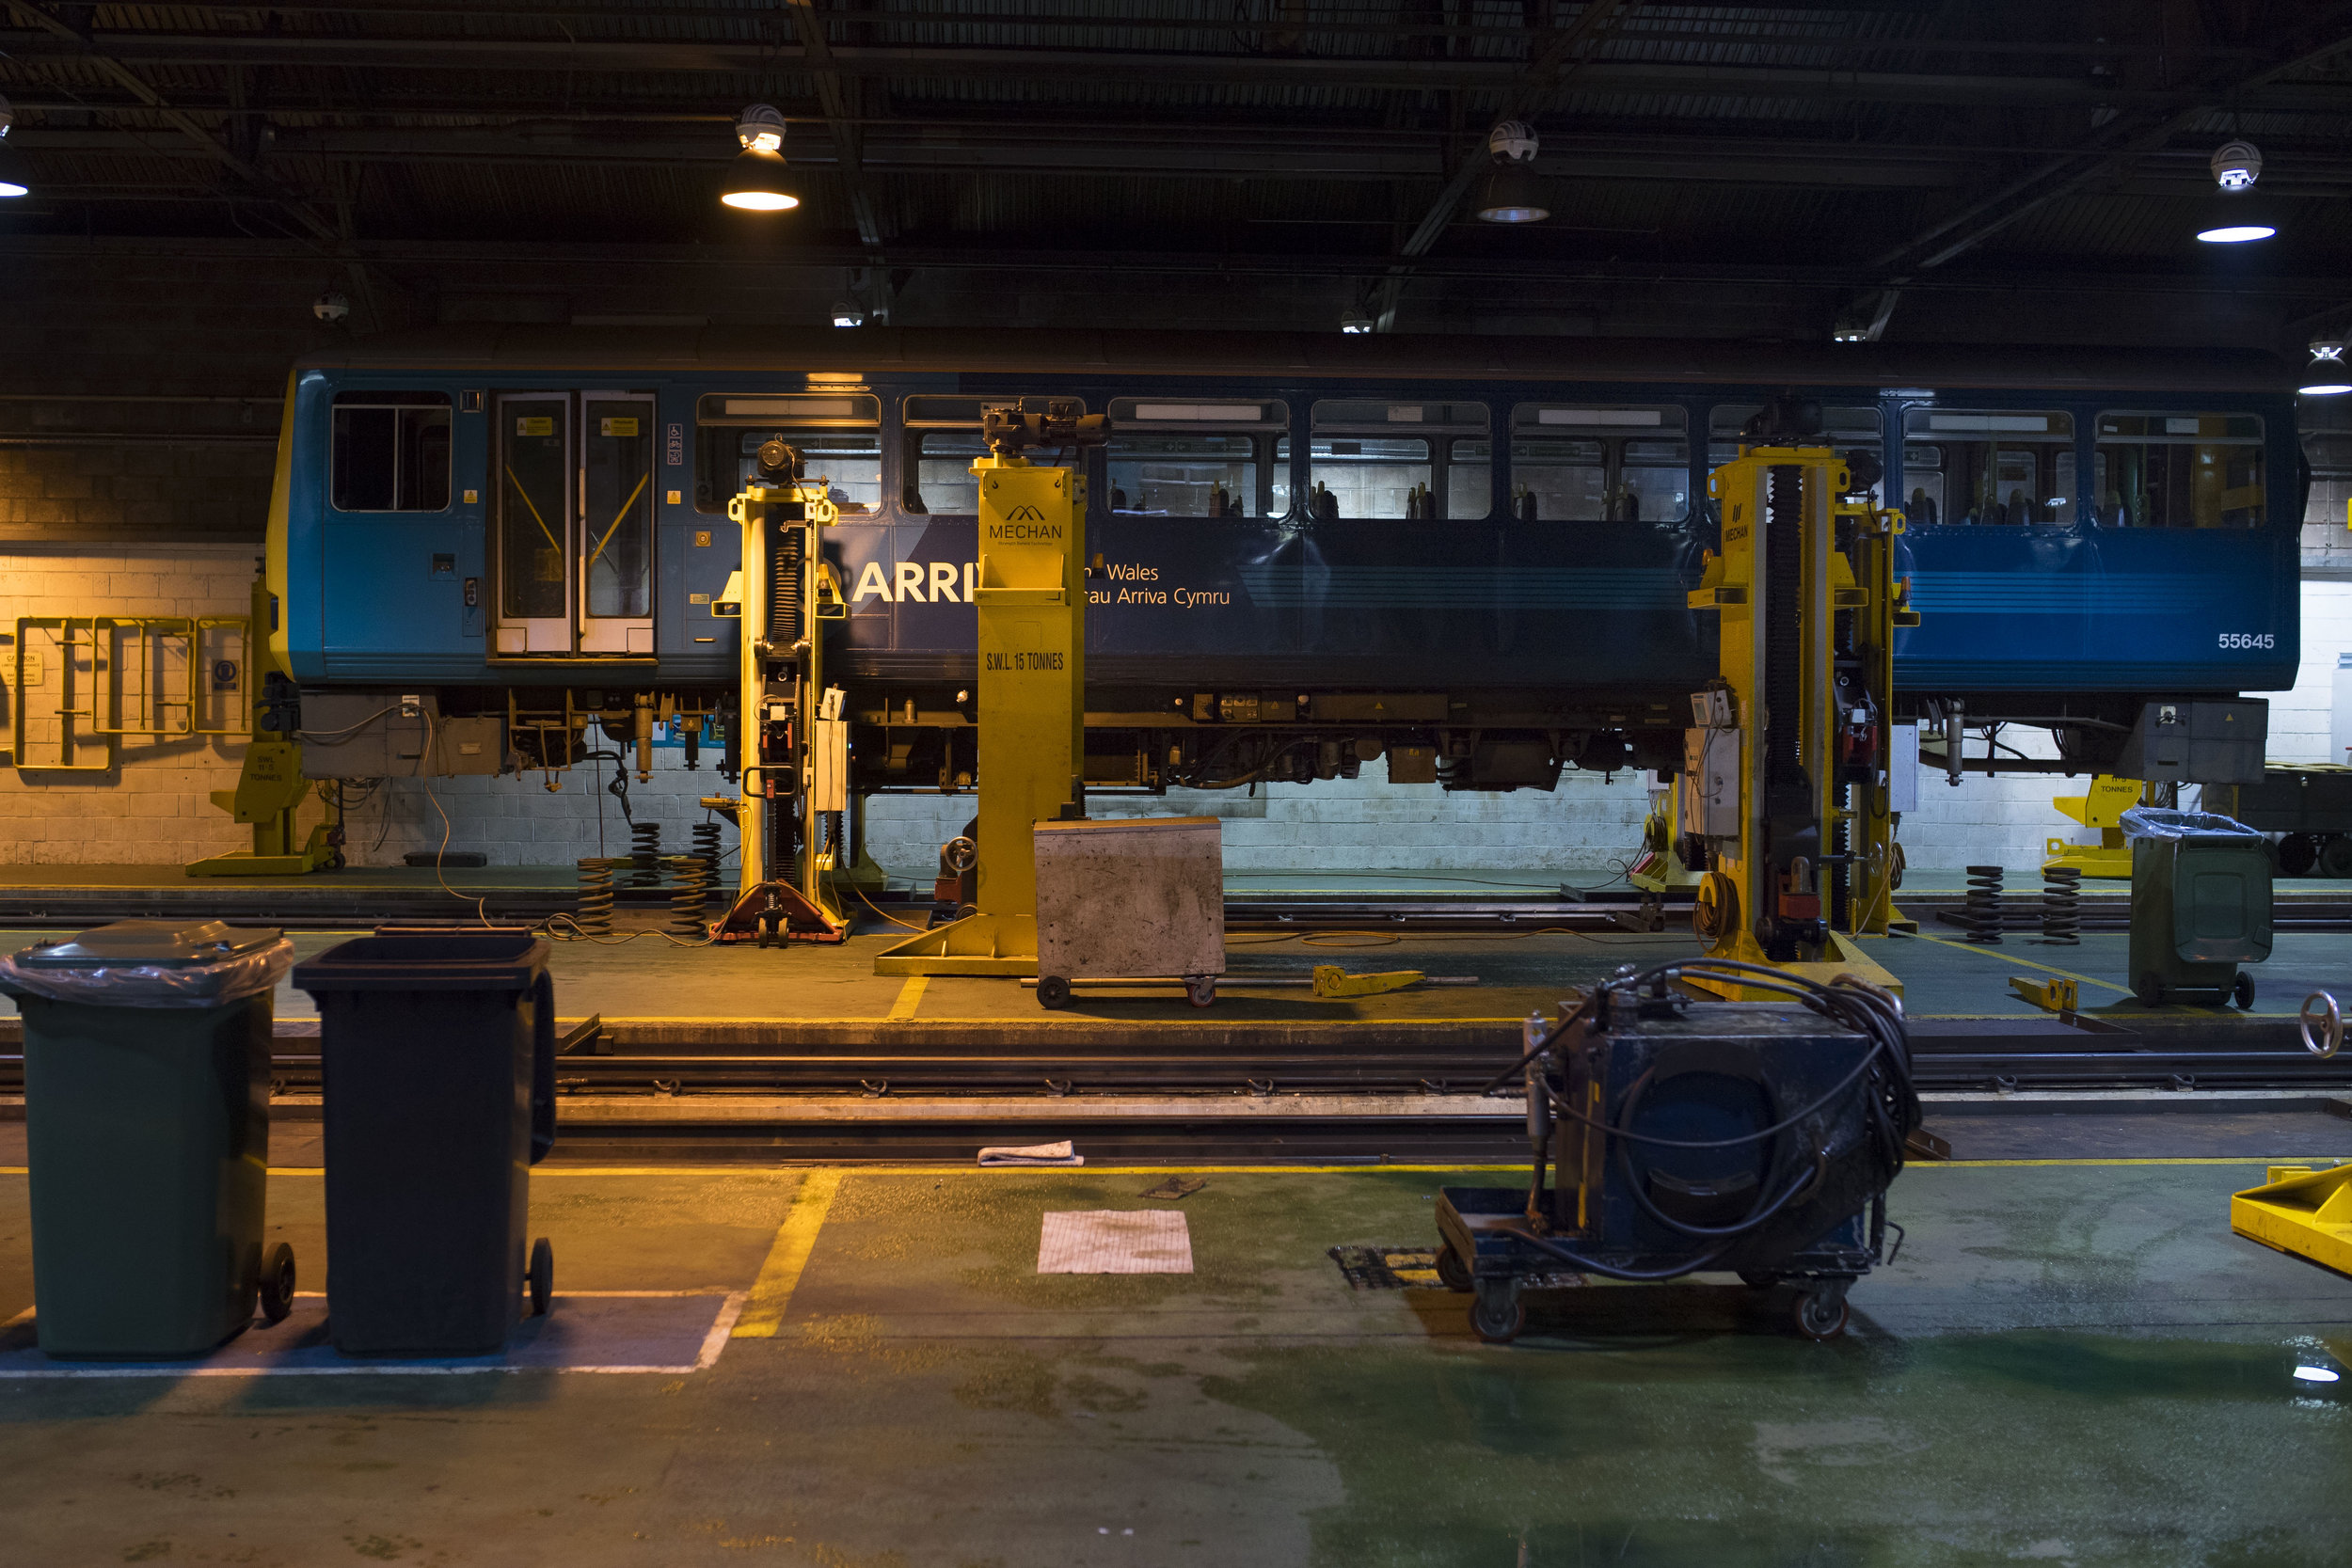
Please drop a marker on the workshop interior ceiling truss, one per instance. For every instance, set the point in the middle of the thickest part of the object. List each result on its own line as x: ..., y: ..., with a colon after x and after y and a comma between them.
x: 1843, y: 146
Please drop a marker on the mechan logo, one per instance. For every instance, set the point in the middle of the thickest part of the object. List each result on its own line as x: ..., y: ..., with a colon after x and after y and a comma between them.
x: 1025, y: 514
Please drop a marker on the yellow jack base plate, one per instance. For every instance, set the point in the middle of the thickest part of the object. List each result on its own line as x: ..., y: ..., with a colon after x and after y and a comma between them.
x: 244, y: 863
x: 1841, y: 954
x: 993, y: 945
x: 2092, y: 860
x: 2301, y: 1210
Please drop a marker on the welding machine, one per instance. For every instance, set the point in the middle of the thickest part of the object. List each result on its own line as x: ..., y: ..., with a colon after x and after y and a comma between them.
x: 1674, y: 1134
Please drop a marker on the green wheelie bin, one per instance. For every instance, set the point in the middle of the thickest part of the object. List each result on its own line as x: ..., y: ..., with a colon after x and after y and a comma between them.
x: 438, y: 1056
x: 2200, y: 906
x: 146, y: 1068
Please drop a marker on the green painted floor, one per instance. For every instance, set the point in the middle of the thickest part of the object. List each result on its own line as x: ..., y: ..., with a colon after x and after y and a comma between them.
x: 2071, y: 1364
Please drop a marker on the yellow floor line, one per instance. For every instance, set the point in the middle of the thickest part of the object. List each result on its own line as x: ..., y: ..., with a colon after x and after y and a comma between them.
x: 2011, y: 957
x: 910, y: 997
x: 771, y: 1293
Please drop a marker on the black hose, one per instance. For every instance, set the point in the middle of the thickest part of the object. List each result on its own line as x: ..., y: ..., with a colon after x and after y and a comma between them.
x: 1611, y: 1271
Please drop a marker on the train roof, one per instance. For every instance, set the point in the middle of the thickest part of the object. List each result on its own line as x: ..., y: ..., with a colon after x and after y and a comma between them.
x: 1277, y: 355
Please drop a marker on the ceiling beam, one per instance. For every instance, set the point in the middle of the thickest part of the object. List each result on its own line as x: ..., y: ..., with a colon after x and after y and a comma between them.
x: 2111, y: 150
x: 834, y: 91
x: 1571, y: 48
x: 476, y: 53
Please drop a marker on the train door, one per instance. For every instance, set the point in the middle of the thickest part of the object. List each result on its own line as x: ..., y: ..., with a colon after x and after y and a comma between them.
x: 614, y: 591
x: 575, y: 524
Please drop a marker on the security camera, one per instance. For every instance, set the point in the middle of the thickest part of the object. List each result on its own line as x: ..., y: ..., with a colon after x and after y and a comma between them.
x: 331, y: 307
x: 2236, y: 164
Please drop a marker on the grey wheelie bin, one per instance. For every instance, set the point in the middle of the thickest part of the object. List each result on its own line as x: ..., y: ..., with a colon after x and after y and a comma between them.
x: 2200, y: 906
x: 438, y: 1055
x: 147, y: 1068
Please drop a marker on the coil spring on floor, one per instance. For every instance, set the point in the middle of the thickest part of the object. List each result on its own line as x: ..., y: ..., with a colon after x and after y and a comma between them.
x: 1981, y: 914
x: 2062, y: 921
x: 690, y: 895
x: 705, y: 842
x: 595, y: 894
x: 646, y: 854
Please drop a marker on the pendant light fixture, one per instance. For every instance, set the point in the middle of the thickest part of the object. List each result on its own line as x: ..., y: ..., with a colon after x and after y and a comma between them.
x: 2326, y: 375
x: 11, y: 173
x: 755, y: 181
x: 2234, y: 215
x: 1511, y: 191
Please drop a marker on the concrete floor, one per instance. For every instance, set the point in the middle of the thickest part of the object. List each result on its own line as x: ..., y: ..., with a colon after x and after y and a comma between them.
x: 2069, y: 1363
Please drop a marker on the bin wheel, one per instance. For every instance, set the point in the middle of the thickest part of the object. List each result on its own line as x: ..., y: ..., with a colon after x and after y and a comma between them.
x: 542, y: 1277
x: 1201, y: 990
x: 1497, y: 1314
x: 1053, y: 993
x: 277, y: 1283
x: 2149, y: 989
x: 1820, y: 1312
x: 2242, y: 991
x: 1453, y: 1272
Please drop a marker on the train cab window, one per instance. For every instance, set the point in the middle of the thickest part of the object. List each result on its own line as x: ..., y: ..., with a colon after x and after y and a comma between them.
x: 1844, y: 427
x: 1588, y: 463
x: 838, y: 436
x: 2178, y: 470
x: 1377, y: 459
x: 390, y: 451
x: 1997, y: 469
x: 1193, y: 457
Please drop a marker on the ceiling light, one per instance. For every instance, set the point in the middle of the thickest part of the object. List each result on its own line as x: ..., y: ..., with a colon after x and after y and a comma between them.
x: 2324, y: 377
x: 1512, y: 192
x: 847, y: 314
x: 2236, y: 233
x: 755, y: 181
x: 2236, y: 164
x: 2315, y: 1374
x: 1353, y: 321
x: 11, y: 183
x: 1849, y: 332
x: 2229, y: 217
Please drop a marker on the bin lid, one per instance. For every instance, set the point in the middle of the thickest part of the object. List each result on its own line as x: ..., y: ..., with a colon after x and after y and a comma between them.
x: 497, y: 959
x: 159, y: 944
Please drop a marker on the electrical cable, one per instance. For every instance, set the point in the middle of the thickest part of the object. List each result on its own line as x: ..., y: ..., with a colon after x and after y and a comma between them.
x: 329, y: 735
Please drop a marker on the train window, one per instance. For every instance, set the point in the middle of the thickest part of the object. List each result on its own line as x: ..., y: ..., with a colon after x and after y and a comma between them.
x: 1590, y: 463
x: 939, y: 470
x: 1923, y: 472
x: 1377, y: 458
x: 1172, y: 474
x: 849, y: 460
x: 390, y: 451
x: 1469, y: 479
x: 2004, y: 466
x: 1556, y: 481
x: 2179, y: 470
x: 1366, y: 476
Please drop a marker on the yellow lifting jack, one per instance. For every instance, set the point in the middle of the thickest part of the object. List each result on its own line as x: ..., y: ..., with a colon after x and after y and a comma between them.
x: 792, y: 741
x: 271, y: 786
x: 2100, y: 808
x: 1787, y: 765
x: 1030, y: 603
x: 2304, y: 1210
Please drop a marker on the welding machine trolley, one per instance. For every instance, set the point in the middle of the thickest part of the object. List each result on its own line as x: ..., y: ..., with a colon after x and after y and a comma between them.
x: 1674, y: 1136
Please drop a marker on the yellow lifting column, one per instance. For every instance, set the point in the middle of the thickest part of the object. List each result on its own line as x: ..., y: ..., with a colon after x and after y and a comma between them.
x: 1787, y: 770
x: 1030, y: 604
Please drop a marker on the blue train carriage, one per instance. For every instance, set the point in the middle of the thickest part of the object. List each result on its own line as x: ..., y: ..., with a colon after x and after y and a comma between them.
x: 1469, y: 555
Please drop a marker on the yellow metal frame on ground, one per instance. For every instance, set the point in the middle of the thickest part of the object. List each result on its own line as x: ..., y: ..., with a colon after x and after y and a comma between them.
x: 2301, y: 1210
